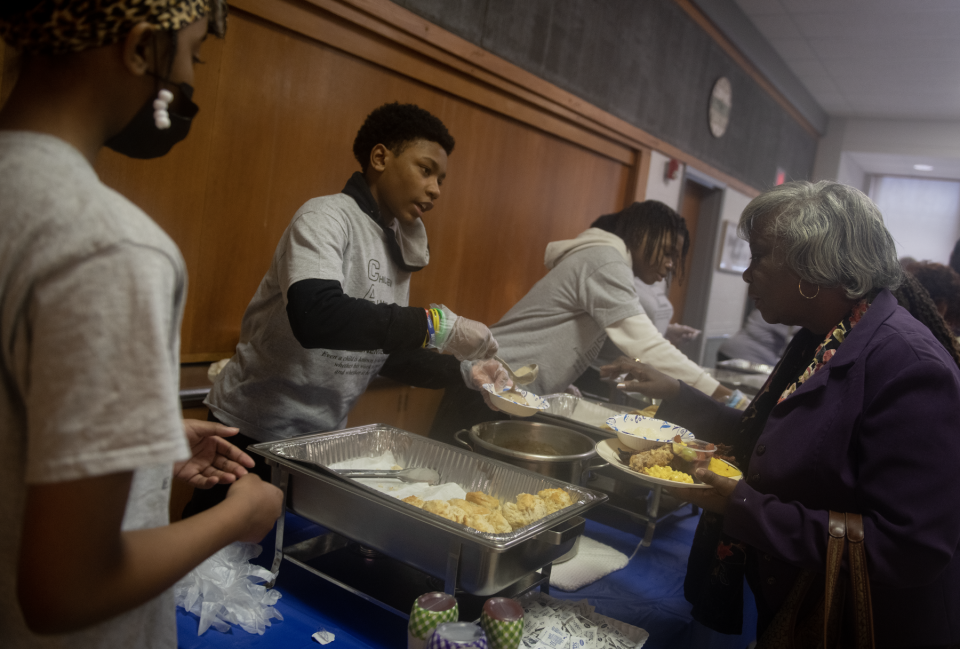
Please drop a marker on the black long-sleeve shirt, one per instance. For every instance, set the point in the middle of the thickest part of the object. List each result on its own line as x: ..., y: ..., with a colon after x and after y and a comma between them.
x: 322, y: 316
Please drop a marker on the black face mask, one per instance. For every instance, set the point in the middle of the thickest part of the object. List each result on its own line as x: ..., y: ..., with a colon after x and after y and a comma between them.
x: 143, y: 140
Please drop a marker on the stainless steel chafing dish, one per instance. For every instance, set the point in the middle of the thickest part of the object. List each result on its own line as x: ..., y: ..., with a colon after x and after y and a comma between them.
x: 476, y: 562
x: 634, y: 497
x: 738, y: 374
x: 745, y: 367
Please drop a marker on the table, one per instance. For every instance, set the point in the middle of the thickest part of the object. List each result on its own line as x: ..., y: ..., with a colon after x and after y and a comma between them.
x: 647, y: 593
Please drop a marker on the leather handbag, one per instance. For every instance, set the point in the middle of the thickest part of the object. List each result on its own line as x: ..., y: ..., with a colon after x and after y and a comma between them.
x: 843, y: 616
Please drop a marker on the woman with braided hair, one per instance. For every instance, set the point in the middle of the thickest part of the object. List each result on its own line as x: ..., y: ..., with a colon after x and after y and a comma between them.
x: 91, y: 299
x: 860, y: 416
x: 942, y: 283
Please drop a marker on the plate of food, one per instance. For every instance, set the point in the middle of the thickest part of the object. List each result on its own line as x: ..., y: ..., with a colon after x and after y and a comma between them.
x: 671, y: 464
x: 520, y: 402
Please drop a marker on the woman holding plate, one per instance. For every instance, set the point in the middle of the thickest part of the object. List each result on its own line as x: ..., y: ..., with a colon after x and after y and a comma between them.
x: 859, y: 416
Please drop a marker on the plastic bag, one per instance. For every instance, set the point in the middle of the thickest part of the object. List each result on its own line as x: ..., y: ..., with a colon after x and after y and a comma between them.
x: 225, y: 589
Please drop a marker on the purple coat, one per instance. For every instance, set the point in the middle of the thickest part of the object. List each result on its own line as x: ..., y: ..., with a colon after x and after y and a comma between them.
x: 875, y: 431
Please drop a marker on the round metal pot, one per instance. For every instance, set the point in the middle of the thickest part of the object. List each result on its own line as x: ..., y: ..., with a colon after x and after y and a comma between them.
x: 550, y: 450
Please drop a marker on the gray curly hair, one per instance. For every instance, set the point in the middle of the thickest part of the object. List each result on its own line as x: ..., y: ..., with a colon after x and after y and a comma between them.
x: 830, y: 235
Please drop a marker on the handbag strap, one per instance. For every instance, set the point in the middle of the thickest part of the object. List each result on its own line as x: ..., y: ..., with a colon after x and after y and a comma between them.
x: 837, y: 534
x: 860, y: 582
x: 848, y: 528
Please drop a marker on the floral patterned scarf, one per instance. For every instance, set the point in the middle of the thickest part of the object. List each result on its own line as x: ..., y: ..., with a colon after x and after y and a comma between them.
x: 718, y: 563
x: 828, y: 347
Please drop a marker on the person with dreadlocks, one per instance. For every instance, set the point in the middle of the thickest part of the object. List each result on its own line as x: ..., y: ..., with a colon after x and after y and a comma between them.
x: 954, y: 262
x: 91, y: 299
x: 943, y: 285
x: 859, y: 416
x: 588, y: 297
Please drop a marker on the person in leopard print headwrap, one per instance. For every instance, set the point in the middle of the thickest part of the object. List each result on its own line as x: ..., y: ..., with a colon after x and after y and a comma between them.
x: 61, y: 26
x: 91, y: 300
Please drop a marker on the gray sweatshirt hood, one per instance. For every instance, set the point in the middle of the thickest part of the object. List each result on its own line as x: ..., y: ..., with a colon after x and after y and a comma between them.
x: 589, y: 238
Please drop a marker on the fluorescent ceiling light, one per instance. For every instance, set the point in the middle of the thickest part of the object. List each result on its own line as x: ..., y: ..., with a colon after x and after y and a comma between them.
x: 923, y: 167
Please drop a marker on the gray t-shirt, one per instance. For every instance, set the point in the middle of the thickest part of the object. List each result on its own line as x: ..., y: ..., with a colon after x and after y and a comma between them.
x: 274, y: 388
x: 655, y: 303
x: 559, y: 324
x: 91, y: 299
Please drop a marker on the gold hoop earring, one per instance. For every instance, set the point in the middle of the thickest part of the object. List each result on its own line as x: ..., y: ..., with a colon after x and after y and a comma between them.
x: 809, y: 297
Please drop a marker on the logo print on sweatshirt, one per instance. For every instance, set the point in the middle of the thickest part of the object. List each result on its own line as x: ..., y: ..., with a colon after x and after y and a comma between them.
x: 373, y: 273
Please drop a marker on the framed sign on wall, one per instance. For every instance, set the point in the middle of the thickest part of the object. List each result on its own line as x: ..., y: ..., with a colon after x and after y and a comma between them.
x: 734, y: 251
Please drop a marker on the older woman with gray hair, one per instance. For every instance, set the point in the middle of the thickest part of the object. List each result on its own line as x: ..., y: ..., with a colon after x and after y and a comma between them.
x: 859, y: 416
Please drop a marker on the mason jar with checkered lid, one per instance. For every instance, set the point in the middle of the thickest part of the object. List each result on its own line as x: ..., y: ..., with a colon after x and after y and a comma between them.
x: 502, y: 621
x: 429, y: 610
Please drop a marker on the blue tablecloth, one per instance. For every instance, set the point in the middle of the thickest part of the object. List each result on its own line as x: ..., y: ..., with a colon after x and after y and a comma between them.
x: 648, y: 593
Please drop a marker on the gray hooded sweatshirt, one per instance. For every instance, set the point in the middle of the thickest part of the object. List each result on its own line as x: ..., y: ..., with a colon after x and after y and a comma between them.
x: 563, y: 321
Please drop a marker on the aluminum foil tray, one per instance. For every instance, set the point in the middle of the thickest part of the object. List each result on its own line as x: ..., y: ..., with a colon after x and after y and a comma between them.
x: 745, y: 367
x: 750, y: 383
x: 582, y: 415
x: 484, y: 563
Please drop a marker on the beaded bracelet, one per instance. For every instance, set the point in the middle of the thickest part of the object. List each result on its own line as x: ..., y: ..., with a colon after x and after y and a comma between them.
x: 431, y: 332
x: 737, y: 400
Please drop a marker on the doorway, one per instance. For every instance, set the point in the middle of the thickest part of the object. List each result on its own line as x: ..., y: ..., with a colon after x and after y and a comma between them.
x: 700, y: 203
x: 691, y: 199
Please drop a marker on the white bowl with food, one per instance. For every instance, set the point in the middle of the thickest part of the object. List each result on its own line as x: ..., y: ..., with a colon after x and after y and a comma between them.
x: 520, y: 403
x: 640, y: 433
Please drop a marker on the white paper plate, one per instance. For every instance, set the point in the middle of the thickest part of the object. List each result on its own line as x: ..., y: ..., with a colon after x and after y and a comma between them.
x: 644, y: 433
x: 534, y: 403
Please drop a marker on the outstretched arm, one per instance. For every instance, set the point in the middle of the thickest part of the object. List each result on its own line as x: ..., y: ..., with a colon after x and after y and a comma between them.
x: 108, y: 571
x: 707, y: 418
x: 638, y: 338
x: 321, y: 315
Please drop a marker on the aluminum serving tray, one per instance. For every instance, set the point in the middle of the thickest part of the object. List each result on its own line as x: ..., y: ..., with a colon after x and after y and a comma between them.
x: 477, y: 562
x: 745, y: 367
x: 582, y: 415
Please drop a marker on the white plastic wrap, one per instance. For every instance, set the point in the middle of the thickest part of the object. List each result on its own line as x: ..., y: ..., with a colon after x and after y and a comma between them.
x: 225, y: 589
x: 398, y: 488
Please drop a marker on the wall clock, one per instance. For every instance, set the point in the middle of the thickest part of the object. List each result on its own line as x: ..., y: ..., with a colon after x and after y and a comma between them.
x: 721, y: 99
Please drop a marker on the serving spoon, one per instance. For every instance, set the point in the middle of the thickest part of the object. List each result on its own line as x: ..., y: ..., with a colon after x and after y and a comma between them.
x: 523, y: 376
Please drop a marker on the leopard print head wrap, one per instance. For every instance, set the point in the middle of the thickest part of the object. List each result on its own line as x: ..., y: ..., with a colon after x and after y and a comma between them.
x: 60, y: 26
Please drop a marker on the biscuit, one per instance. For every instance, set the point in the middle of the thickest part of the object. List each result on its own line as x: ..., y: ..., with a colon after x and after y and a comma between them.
x: 481, y: 498
x: 555, y: 499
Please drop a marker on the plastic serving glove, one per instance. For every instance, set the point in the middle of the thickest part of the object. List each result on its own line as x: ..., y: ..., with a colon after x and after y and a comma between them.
x: 222, y: 591
x: 466, y: 339
x: 476, y: 373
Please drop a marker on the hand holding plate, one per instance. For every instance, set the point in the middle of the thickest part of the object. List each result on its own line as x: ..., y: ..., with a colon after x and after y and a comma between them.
x: 713, y: 500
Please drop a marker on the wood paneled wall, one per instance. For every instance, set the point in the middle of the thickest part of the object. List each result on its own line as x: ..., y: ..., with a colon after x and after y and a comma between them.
x: 281, y: 100
x: 279, y: 111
